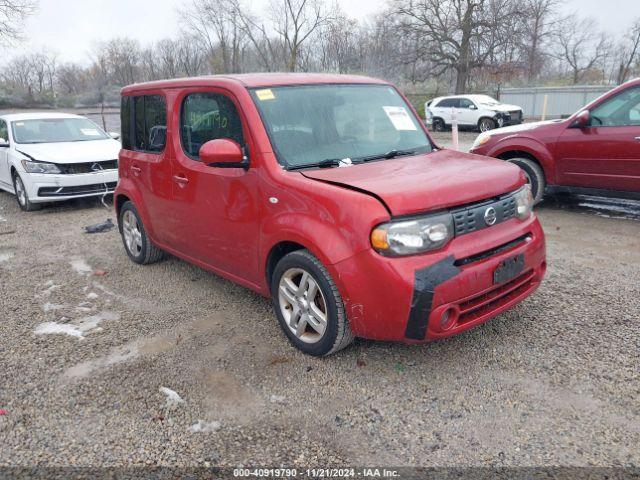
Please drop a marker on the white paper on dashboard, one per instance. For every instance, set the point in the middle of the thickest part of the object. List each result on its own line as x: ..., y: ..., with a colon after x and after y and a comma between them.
x: 90, y: 132
x: 399, y: 118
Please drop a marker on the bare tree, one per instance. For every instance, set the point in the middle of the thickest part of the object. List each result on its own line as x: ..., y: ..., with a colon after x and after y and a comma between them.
x: 218, y: 25
x: 459, y: 35
x: 629, y: 53
x: 580, y: 46
x: 295, y: 21
x: 539, y: 24
x: 12, y: 14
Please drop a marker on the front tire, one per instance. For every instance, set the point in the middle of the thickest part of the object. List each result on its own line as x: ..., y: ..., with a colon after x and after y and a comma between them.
x: 22, y: 196
x: 135, y: 239
x: 308, y: 305
x: 535, y: 177
x: 486, y: 124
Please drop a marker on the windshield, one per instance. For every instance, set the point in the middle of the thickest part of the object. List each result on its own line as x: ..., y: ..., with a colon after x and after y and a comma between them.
x: 312, y: 123
x: 55, y: 130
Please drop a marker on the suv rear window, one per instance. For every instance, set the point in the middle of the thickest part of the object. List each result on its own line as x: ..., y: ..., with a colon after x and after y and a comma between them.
x: 144, y: 123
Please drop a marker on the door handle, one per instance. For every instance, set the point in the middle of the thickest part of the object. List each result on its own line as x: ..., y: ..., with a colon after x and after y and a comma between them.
x: 180, y: 180
x: 638, y: 138
x: 136, y: 170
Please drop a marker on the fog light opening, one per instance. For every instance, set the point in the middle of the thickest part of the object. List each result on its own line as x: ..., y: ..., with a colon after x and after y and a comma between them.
x: 448, y: 318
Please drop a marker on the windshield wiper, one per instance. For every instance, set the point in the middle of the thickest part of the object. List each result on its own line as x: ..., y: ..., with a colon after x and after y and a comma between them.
x: 388, y: 155
x: 327, y: 163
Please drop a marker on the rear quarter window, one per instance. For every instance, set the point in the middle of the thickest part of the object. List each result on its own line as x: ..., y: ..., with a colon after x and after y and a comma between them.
x: 144, y: 123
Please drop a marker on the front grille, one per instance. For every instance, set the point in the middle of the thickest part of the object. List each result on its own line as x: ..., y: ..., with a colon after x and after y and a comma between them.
x: 76, y: 190
x: 516, y: 115
x: 472, y: 218
x: 87, y: 167
x: 487, y: 302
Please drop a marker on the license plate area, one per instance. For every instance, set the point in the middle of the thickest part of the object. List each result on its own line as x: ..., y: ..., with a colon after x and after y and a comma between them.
x: 508, y: 269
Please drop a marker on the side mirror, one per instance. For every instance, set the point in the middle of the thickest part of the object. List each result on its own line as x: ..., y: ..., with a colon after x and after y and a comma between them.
x: 114, y: 135
x: 472, y: 107
x: 3, y: 143
x: 582, y: 120
x: 223, y: 153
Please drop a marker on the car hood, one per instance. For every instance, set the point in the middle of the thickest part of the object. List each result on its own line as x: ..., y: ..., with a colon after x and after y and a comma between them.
x: 441, y: 179
x: 523, y: 127
x: 71, y: 152
x: 503, y: 107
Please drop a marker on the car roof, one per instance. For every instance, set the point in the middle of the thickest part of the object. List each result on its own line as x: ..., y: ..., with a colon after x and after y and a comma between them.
x: 13, y: 117
x: 256, y: 80
x: 471, y: 96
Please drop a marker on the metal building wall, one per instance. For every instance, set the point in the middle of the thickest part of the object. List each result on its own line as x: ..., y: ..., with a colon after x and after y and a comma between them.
x: 561, y: 101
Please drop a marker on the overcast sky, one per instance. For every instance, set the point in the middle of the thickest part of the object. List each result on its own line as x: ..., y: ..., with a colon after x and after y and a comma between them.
x: 71, y: 27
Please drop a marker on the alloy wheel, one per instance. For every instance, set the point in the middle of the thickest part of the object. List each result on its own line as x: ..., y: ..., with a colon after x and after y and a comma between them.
x: 302, y: 305
x: 486, y: 125
x: 131, y: 232
x: 21, y: 193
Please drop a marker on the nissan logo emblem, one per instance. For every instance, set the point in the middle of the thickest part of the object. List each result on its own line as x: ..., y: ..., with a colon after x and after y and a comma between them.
x: 490, y: 216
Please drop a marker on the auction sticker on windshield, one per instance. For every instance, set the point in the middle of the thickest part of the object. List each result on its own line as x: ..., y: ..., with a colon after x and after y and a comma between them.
x: 400, y: 118
x: 265, y: 94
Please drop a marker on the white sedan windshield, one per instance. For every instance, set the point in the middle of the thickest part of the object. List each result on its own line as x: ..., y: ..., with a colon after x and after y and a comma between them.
x: 55, y: 130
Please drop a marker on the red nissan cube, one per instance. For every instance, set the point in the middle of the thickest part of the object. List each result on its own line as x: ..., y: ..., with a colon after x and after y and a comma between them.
x: 325, y: 193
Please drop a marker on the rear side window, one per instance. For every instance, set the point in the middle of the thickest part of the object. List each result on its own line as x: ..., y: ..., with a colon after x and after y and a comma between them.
x: 208, y: 116
x: 146, y: 123
x: 448, y: 103
x: 125, y: 122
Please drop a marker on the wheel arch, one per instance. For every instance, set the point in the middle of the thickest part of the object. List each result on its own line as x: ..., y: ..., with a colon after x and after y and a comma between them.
x: 276, y: 253
x: 511, y: 154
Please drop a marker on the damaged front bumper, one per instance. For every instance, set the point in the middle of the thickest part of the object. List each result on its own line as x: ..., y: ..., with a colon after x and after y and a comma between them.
x: 50, y: 188
x: 424, y: 297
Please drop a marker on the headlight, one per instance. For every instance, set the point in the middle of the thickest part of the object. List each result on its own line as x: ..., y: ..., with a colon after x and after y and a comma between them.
x: 524, y: 202
x: 481, y: 139
x: 408, y: 237
x: 40, y: 167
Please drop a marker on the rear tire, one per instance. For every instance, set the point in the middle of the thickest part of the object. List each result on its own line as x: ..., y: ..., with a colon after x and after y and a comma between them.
x: 535, y: 177
x: 134, y: 237
x: 306, y: 300
x: 22, y: 196
x: 438, y: 125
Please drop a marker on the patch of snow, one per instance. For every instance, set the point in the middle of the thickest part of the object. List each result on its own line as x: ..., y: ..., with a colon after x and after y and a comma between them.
x: 4, y: 256
x: 117, y: 355
x: 50, y: 288
x: 92, y: 295
x: 52, y: 328
x: 173, y: 399
x: 50, y: 307
x: 276, y: 399
x: 205, y: 427
x: 81, y: 267
x: 104, y: 289
x: 2, y: 219
x: 79, y: 328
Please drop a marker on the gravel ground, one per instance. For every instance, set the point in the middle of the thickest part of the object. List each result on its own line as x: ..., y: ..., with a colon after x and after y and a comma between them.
x: 552, y: 382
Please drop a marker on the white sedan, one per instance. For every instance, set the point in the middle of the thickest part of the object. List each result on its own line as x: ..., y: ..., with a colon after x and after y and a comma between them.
x: 48, y: 157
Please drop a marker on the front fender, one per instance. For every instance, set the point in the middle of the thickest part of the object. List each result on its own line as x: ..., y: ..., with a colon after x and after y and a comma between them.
x: 530, y: 146
x: 327, y: 242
